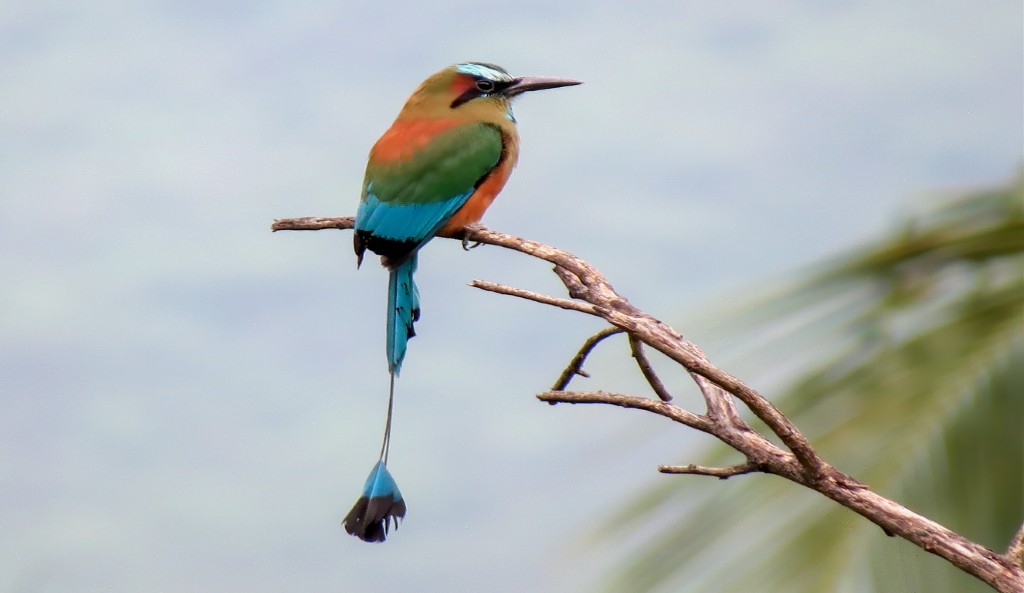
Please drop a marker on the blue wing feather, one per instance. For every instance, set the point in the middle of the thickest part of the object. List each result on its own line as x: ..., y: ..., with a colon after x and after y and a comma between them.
x: 412, y: 223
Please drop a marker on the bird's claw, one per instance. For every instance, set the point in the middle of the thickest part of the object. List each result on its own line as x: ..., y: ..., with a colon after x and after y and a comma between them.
x: 468, y: 230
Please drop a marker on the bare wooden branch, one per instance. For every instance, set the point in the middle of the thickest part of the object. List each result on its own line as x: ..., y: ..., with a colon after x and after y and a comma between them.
x: 575, y: 366
x: 721, y: 408
x: 313, y: 223
x: 637, y: 349
x: 619, y: 312
x: 721, y: 473
x: 534, y: 296
x: 995, y: 569
x: 801, y: 464
x: 572, y: 282
x: 1015, y: 553
x: 658, y: 407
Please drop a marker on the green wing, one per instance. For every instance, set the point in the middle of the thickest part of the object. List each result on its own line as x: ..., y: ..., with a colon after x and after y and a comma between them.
x: 448, y: 166
x: 408, y: 201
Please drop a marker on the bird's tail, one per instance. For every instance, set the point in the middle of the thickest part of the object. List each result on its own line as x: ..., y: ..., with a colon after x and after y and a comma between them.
x: 381, y: 501
x: 403, y: 311
x: 380, y: 504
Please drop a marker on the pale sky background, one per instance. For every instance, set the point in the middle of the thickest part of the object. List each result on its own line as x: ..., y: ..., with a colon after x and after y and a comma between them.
x: 189, y: 403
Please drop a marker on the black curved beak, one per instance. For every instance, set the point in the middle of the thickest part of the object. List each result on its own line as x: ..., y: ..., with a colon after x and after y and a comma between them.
x: 524, y: 84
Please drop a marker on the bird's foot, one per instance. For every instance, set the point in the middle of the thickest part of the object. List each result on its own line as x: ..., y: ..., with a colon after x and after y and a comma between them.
x: 467, y: 231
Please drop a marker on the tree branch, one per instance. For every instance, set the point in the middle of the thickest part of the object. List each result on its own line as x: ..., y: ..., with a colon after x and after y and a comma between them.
x: 647, y: 404
x: 1015, y: 553
x: 534, y: 296
x: 575, y: 366
x: 721, y: 473
x: 637, y: 348
x: 591, y: 293
x: 313, y: 223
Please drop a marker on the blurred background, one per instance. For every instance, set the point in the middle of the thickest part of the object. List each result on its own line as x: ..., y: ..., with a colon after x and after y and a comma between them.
x: 191, y: 403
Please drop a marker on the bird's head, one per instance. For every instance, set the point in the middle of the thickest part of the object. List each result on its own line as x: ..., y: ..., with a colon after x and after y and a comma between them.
x: 476, y: 90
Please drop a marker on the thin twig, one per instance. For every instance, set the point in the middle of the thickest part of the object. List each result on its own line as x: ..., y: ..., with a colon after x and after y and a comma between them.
x: 661, y: 408
x: 313, y: 223
x: 1015, y: 553
x: 637, y: 348
x: 535, y: 296
x: 721, y: 473
x: 575, y: 366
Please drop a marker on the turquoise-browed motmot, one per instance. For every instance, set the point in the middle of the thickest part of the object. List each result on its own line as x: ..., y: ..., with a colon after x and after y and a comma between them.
x: 434, y: 172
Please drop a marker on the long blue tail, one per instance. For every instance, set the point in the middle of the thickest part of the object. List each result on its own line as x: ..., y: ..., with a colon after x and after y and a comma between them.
x: 381, y: 502
x: 403, y: 311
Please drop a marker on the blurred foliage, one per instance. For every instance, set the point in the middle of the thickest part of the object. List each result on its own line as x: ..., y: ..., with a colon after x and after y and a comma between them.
x: 910, y: 358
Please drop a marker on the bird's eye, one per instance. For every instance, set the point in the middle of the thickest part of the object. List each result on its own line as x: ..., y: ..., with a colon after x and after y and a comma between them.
x: 484, y: 86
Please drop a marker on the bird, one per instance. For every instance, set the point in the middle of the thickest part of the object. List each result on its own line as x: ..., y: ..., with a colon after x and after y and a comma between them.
x: 432, y: 173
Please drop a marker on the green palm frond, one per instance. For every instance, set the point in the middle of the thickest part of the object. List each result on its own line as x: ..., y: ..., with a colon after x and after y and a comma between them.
x: 912, y: 357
